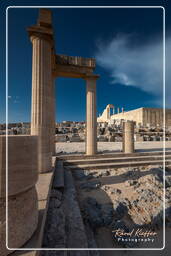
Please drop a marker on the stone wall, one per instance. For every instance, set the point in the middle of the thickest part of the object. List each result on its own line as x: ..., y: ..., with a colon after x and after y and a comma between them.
x: 145, y: 116
x: 133, y: 115
x: 22, y: 196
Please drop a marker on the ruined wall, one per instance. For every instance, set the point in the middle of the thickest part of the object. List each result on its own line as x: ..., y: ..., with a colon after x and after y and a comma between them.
x: 143, y: 116
x: 154, y: 117
x: 106, y: 114
x: 133, y: 115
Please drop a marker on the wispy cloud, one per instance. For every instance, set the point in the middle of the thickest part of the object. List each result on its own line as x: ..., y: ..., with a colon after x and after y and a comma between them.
x: 15, y: 99
x: 136, y: 65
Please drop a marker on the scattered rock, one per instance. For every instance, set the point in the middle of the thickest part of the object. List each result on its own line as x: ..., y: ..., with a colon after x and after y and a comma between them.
x: 105, y: 173
x: 116, y: 191
x: 168, y: 181
x: 90, y: 185
x: 79, y: 174
x: 132, y: 182
x: 92, y: 212
x: 96, y: 214
x: 121, y: 210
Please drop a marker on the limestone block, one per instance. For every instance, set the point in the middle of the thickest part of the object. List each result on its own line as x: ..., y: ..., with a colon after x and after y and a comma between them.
x: 22, y: 163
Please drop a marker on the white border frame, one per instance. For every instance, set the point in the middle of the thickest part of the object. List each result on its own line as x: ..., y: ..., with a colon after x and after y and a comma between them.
x: 164, y: 55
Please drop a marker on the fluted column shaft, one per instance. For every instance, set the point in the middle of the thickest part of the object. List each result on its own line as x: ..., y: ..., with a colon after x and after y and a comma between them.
x: 91, y: 119
x: 53, y: 118
x: 41, y: 121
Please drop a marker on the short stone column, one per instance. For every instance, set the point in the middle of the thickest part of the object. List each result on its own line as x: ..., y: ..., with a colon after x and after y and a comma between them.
x: 128, y: 137
x: 22, y: 173
x: 91, y: 118
x: 42, y: 87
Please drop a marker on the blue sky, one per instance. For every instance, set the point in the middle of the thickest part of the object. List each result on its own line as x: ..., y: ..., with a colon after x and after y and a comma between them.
x: 127, y: 44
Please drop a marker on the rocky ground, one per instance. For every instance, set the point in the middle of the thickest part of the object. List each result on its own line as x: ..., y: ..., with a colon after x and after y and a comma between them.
x: 124, y: 198
x: 95, y: 204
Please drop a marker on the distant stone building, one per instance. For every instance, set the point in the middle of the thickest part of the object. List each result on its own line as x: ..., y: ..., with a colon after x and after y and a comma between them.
x: 147, y: 117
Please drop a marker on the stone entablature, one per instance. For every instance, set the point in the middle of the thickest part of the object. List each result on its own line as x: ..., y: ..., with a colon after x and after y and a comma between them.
x: 75, y: 61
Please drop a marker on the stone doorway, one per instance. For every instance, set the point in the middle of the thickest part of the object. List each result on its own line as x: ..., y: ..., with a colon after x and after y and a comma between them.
x: 46, y: 67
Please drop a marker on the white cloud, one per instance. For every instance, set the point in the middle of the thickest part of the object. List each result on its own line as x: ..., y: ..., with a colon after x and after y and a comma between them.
x: 137, y: 65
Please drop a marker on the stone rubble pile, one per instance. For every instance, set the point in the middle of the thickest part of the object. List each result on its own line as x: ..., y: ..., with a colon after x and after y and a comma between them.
x: 144, y: 209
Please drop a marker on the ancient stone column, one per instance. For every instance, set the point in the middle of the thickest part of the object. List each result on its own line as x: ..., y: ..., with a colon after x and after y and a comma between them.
x: 128, y: 137
x: 41, y: 116
x: 91, y: 119
x: 53, y: 118
x: 22, y: 175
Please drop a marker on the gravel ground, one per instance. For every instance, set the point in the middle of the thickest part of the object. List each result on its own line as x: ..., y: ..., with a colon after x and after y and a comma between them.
x: 79, y: 147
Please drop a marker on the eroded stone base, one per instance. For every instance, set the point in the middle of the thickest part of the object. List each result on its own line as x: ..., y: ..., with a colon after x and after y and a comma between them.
x: 22, y: 219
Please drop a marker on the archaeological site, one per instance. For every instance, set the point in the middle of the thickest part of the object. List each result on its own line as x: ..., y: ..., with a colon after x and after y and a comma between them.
x: 79, y: 188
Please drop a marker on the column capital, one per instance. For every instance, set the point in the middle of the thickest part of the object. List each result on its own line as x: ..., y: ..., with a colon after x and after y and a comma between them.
x: 41, y: 32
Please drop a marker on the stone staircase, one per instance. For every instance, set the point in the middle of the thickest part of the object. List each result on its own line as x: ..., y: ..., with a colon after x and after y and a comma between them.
x: 115, y: 160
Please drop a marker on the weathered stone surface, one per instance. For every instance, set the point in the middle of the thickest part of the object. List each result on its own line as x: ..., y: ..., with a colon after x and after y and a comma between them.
x: 97, y: 215
x: 22, y: 163
x: 128, y: 137
x: 22, y: 196
x: 22, y: 219
x: 56, y: 194
x: 90, y: 185
x: 75, y: 232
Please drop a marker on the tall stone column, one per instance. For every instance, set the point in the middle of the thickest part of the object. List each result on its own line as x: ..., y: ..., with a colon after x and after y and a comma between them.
x: 91, y: 119
x: 128, y: 137
x: 53, y: 117
x: 41, y: 121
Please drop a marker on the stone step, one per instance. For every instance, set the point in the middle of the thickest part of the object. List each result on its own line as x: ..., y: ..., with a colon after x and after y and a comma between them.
x: 58, y: 181
x: 113, y: 160
x: 117, y: 165
x: 111, y: 155
x: 75, y: 231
